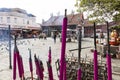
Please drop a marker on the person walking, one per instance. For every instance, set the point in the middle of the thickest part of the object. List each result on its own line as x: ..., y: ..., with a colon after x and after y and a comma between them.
x: 45, y: 36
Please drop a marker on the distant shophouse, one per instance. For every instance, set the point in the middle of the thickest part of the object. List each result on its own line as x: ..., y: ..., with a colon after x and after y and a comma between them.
x: 20, y: 21
x: 75, y: 21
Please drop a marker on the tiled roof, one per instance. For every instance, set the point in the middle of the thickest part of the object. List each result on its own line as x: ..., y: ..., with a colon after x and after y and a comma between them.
x: 58, y: 20
x: 87, y: 23
x: 73, y: 19
x: 5, y: 9
x: 53, y: 20
x: 16, y: 10
x: 31, y: 15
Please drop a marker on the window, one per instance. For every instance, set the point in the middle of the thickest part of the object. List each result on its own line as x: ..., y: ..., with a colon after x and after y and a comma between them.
x: 15, y: 20
x: 8, y: 19
x: 23, y: 21
x: 33, y: 21
x: 28, y: 22
x: 1, y: 19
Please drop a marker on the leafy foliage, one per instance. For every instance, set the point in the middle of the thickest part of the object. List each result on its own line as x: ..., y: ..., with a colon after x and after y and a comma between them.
x: 101, y: 10
x: 116, y: 27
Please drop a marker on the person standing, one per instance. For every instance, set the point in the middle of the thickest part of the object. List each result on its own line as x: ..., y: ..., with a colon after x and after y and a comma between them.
x: 54, y: 37
x: 101, y: 37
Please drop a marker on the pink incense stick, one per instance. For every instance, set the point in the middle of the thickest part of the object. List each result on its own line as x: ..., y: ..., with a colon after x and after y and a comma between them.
x: 95, y: 66
x: 79, y: 55
x: 15, y: 58
x: 49, y: 55
x: 30, y: 61
x: 109, y: 70
x: 79, y: 74
x: 63, y: 47
x: 108, y: 55
x: 14, y: 66
x: 64, y: 75
x: 95, y: 56
x: 38, y: 68
x: 41, y: 68
x: 50, y: 71
x: 19, y: 65
x: 22, y: 67
x: 30, y: 64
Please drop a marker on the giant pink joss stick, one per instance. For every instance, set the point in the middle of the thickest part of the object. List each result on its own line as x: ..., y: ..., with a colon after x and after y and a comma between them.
x: 63, y: 47
x: 14, y: 64
x: 19, y: 65
x: 50, y: 73
x: 38, y: 68
x: 49, y: 55
x: 41, y: 68
x: 95, y: 57
x: 30, y: 64
x: 15, y: 58
x: 79, y: 55
x: 109, y: 70
x: 22, y: 67
x: 79, y: 74
x: 64, y: 74
x: 95, y: 65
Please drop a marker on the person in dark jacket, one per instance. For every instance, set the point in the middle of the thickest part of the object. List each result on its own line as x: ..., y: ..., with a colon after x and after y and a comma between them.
x: 54, y: 37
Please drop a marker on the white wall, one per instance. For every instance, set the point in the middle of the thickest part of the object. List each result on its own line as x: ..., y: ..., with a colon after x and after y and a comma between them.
x: 22, y: 19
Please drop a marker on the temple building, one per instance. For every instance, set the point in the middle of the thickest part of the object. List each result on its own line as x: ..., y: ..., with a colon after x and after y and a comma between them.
x: 75, y: 21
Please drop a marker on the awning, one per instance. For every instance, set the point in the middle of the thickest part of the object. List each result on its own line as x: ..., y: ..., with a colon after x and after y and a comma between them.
x: 33, y: 28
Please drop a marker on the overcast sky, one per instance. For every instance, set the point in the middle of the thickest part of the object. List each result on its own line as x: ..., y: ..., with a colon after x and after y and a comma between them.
x: 41, y: 8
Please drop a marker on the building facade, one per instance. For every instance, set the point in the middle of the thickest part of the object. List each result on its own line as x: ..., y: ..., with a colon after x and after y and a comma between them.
x: 18, y: 19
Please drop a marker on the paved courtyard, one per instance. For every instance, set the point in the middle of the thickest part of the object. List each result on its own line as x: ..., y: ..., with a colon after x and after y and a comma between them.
x: 40, y: 47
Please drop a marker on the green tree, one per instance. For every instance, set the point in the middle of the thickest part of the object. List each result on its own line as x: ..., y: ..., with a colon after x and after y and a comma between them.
x: 100, y: 10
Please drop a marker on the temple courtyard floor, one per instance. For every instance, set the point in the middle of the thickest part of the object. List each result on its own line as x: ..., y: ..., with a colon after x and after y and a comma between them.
x: 40, y: 47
